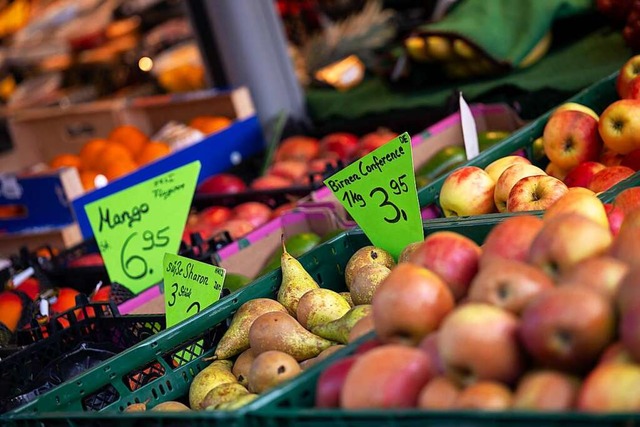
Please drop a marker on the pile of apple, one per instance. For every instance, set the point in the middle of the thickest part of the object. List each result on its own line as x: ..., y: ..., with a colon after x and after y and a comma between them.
x: 545, y: 315
x: 584, y: 150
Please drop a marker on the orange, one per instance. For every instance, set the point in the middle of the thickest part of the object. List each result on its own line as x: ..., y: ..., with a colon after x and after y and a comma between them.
x: 153, y: 151
x: 117, y: 169
x: 131, y: 137
x: 113, y: 152
x: 10, y: 310
x: 209, y: 124
x: 88, y: 177
x: 90, y: 153
x: 65, y: 160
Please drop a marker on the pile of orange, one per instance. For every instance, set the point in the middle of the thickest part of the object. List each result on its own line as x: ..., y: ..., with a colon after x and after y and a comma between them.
x: 125, y: 149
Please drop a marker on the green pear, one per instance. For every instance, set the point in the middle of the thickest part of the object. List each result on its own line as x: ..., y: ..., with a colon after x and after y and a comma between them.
x: 242, y: 365
x: 238, y: 403
x: 347, y: 296
x: 222, y: 394
x: 338, y: 330
x: 218, y: 372
x: 236, y: 339
x: 295, y: 282
x: 363, y: 256
x: 171, y: 406
x: 279, y: 331
x: 365, y: 282
x: 270, y: 369
x: 320, y: 306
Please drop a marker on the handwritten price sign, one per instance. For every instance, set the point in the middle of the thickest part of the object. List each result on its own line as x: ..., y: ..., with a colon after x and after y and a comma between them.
x: 189, y: 286
x: 379, y: 192
x: 135, y: 227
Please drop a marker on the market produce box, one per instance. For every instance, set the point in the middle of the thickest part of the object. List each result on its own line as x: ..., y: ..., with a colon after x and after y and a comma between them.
x: 36, y: 209
x: 497, y: 118
x: 258, y: 252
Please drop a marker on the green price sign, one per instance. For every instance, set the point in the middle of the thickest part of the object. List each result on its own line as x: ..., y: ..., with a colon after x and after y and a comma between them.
x: 135, y: 227
x: 379, y: 192
x: 189, y: 286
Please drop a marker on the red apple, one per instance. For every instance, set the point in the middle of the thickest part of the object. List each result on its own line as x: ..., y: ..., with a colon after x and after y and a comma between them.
x: 479, y: 342
x: 343, y: 144
x: 628, y: 290
x: 581, y: 201
x: 485, y: 396
x: 628, y: 200
x: 282, y: 209
x: 615, y: 216
x: 633, y: 88
x: 608, y: 177
x: 619, y: 126
x: 298, y: 147
x: 390, y: 376
x: 629, y: 329
x: 409, y: 304
x: 255, y: 212
x: 215, y: 215
x: 270, y: 182
x: 632, y: 160
x: 222, y: 183
x: 581, y: 175
x: 87, y: 260
x: 467, y: 191
x: 611, y: 387
x: 571, y: 137
x: 322, y: 164
x: 567, y: 328
x: 429, y: 345
x: 603, y: 274
x: 496, y: 168
x: 626, y: 245
x: 331, y: 381
x: 440, y: 393
x: 508, y: 284
x: 511, y: 239
x: 615, y: 353
x: 236, y: 227
x: 452, y: 256
x: 610, y: 158
x: 293, y: 170
x: 566, y: 240
x: 374, y: 140
x: 577, y: 107
x: 555, y: 171
x: 629, y: 70
x: 508, y: 178
x: 205, y: 231
x: 535, y: 193
x: 546, y: 390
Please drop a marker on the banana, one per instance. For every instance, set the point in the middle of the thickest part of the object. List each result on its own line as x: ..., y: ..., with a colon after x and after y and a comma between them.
x: 218, y: 372
x: 463, y: 49
x: 538, y: 51
x: 439, y: 48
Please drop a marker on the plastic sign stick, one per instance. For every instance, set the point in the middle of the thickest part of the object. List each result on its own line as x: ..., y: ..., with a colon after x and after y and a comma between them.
x: 469, y: 132
x: 135, y: 227
x: 379, y: 192
x: 189, y: 286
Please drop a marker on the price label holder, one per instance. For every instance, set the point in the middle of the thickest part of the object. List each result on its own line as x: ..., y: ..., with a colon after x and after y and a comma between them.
x: 379, y: 192
x: 469, y: 131
x: 135, y: 227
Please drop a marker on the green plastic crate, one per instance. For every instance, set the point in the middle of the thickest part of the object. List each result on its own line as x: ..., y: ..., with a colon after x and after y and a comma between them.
x: 65, y: 404
x: 598, y: 97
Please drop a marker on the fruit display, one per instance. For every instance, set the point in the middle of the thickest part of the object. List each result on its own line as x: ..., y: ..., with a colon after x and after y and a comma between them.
x: 123, y: 151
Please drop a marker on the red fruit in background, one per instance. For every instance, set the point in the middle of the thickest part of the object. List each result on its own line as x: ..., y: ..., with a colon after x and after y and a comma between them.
x: 608, y: 177
x: 581, y: 175
x: 632, y: 159
x: 610, y: 158
x: 628, y: 71
x: 222, y: 183
x: 628, y: 200
x: 88, y: 260
x: 283, y: 209
x: 330, y: 383
x: 205, y: 231
x: 255, y: 212
x: 102, y: 295
x: 633, y: 88
x: 511, y: 239
x: 373, y: 140
x: 615, y: 215
x: 65, y: 300
x: 343, y: 144
x: 292, y: 170
x: 236, y: 228
x: 368, y: 345
x: 10, y: 310
x: 215, y: 215
x: 270, y: 182
x: 298, y: 147
x: 320, y: 165
x: 616, y: 10
x: 31, y: 287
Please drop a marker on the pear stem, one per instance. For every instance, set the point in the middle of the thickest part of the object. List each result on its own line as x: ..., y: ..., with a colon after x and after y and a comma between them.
x: 284, y: 248
x: 206, y: 359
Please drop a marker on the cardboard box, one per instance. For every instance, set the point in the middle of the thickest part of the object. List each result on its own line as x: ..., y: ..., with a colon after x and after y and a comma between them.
x: 248, y: 255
